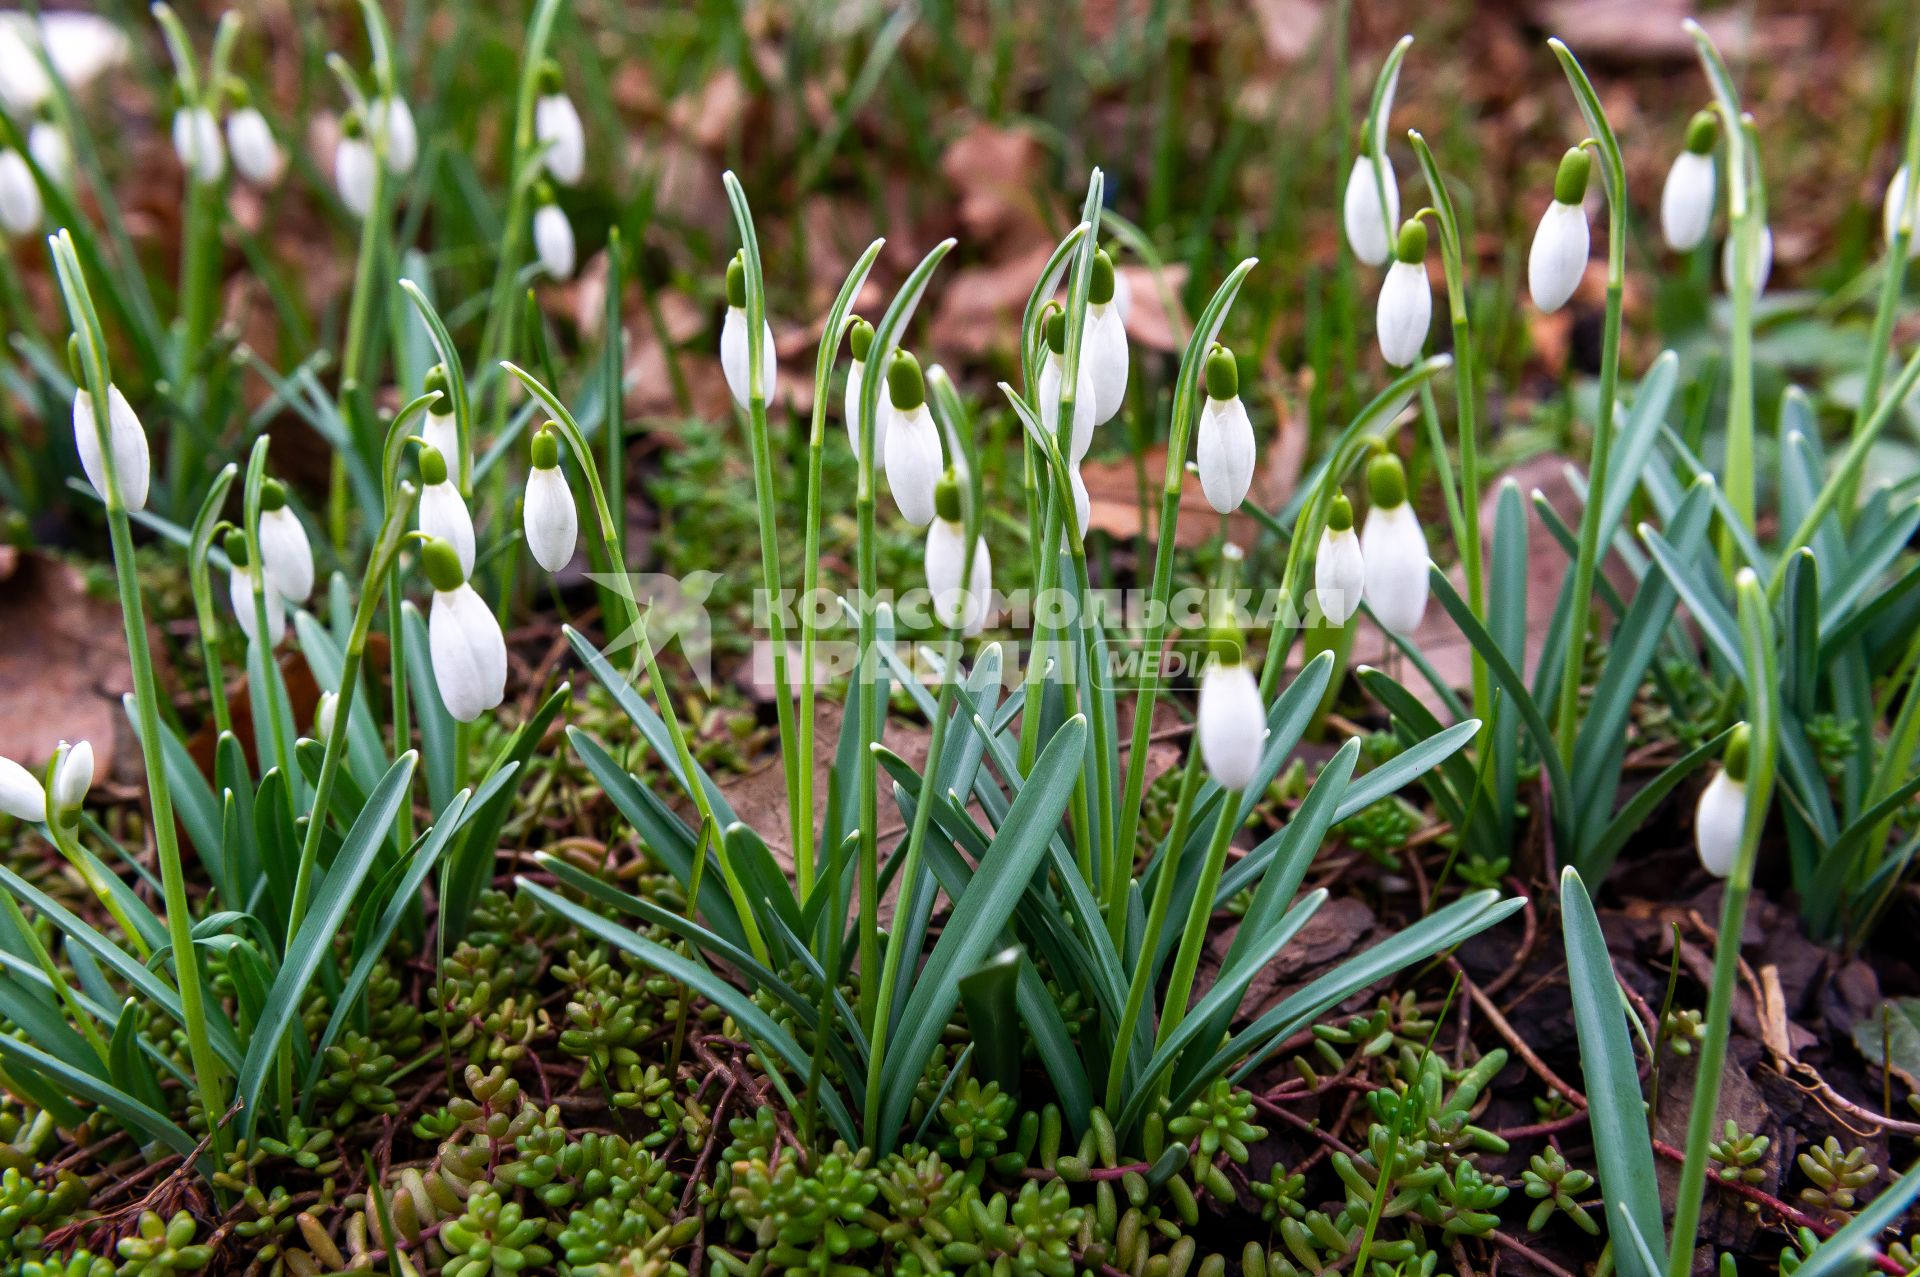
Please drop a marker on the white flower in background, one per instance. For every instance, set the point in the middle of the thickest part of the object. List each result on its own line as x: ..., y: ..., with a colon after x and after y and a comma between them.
x: 242, y: 583
x: 125, y: 436
x: 860, y: 341
x: 1558, y: 260
x: 1053, y: 376
x: 196, y: 140
x: 440, y: 429
x: 80, y: 45
x: 443, y: 511
x: 284, y: 547
x: 1367, y: 219
x: 390, y: 114
x: 551, y: 521
x: 1893, y: 208
x: 1232, y: 724
x: 21, y: 795
x: 1721, y: 816
x: 19, y: 195
x: 1405, y: 309
x: 553, y: 237
x: 51, y: 151
x: 1393, y: 548
x: 469, y: 652
x: 556, y: 125
x: 1106, y: 342
x: 1339, y: 567
x: 915, y: 456
x: 256, y: 155
x: 324, y: 714
x: 354, y: 168
x: 1082, y: 507
x: 72, y: 778
x: 1224, y: 451
x: 1686, y: 201
x: 1762, y: 260
x: 946, y: 562
x: 734, y: 355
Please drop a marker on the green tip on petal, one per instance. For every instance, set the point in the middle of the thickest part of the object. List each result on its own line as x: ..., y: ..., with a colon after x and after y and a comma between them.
x: 546, y: 448
x: 1412, y: 245
x: 904, y: 384
x: 1340, y: 516
x: 1386, y: 480
x: 433, y: 466
x: 1734, y: 759
x: 737, y: 280
x: 1570, y: 183
x: 236, y: 547
x: 73, y: 361
x: 1053, y: 323
x: 946, y: 497
x: 860, y: 338
x: 1223, y: 373
x: 1100, y: 287
x: 1703, y: 130
x: 273, y: 495
x: 442, y: 565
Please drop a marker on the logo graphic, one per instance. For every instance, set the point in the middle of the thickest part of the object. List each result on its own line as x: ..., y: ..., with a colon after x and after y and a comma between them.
x: 668, y: 608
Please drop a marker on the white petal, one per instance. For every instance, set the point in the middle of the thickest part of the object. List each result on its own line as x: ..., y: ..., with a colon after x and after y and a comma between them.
x: 1762, y: 265
x: 196, y: 140
x: 733, y: 356
x: 51, y: 151
x: 1404, y: 312
x: 552, y: 522
x: 1558, y: 258
x: 1686, y: 201
x: 80, y: 45
x: 1107, y: 352
x: 240, y: 594
x: 1232, y: 724
x: 403, y: 140
x: 1122, y: 302
x: 1225, y: 453
x: 73, y: 777
x: 1053, y: 372
x: 1339, y: 575
x: 1717, y: 823
x: 856, y: 386
x: 1891, y: 210
x: 442, y: 433
x: 553, y: 239
x: 1082, y: 507
x: 1370, y: 231
x: 353, y: 174
x: 557, y: 123
x: 469, y: 653
x: 1395, y: 554
x: 443, y: 514
x: 285, y: 550
x: 256, y: 156
x: 128, y: 440
x: 324, y: 714
x: 915, y: 461
x: 20, y: 793
x: 19, y: 196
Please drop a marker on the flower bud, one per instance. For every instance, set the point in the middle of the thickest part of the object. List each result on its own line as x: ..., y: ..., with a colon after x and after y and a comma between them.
x: 72, y: 778
x: 1558, y: 259
x: 20, y: 209
x: 324, y: 714
x: 51, y: 150
x: 242, y: 585
x: 1224, y: 447
x: 196, y: 140
x: 1339, y: 567
x: 860, y: 341
x: 391, y: 115
x: 915, y: 456
x: 1762, y: 260
x: 556, y: 125
x: 551, y: 521
x: 21, y: 795
x: 1405, y: 308
x: 1893, y: 208
x: 1053, y: 375
x: 125, y: 436
x: 256, y: 155
x: 1106, y: 350
x: 354, y: 167
x: 553, y: 239
x: 1720, y: 819
x: 1686, y: 201
x: 734, y: 355
x: 1232, y: 724
x: 1365, y: 216
x: 946, y: 555
x: 1393, y: 549
x: 469, y: 652
x: 284, y: 547
x: 443, y: 511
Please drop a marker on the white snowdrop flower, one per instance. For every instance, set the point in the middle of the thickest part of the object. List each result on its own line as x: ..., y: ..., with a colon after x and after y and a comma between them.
x: 734, y: 354
x: 1053, y: 376
x: 553, y: 239
x: 80, y: 45
x: 20, y: 210
x: 1558, y: 259
x: 1892, y: 209
x: 915, y: 455
x: 1106, y: 346
x: 1232, y: 724
x: 354, y: 167
x: 860, y: 341
x: 256, y: 155
x: 946, y: 562
x: 556, y: 125
x: 443, y: 511
x: 391, y: 114
x: 1367, y: 218
x: 1762, y: 260
x: 1339, y: 567
x: 469, y: 652
x: 1405, y: 309
x: 72, y: 778
x: 551, y: 521
x: 440, y: 429
x: 284, y: 548
x: 1224, y: 451
x: 324, y: 714
x: 51, y: 151
x: 125, y: 436
x: 1082, y: 506
x: 21, y: 794
x: 1393, y: 549
x: 196, y: 140
x: 242, y: 581
x: 1686, y: 201
x: 1721, y: 816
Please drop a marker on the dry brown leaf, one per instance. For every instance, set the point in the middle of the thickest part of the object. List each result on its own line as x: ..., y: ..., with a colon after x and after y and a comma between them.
x: 63, y: 665
x: 995, y: 174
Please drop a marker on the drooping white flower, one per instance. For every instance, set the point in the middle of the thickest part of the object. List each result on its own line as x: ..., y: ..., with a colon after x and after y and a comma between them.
x: 125, y: 436
x: 860, y: 341
x: 443, y: 511
x: 354, y: 168
x: 1762, y: 260
x: 1232, y: 724
x: 556, y: 125
x: 946, y: 563
x: 553, y: 240
x: 1892, y: 209
x: 1339, y: 566
x: 242, y: 583
x: 1366, y: 218
x: 196, y: 140
x: 256, y: 155
x: 551, y: 521
x: 1082, y: 506
x: 1405, y: 309
x: 72, y: 778
x: 734, y: 355
x: 1686, y: 201
x: 1558, y: 259
x: 1106, y: 344
x: 324, y: 713
x: 1721, y: 816
x: 469, y: 652
x: 391, y: 114
x: 1224, y: 450
x: 21, y: 794
x: 19, y: 196
x: 1053, y: 377
x: 916, y: 458
x: 1393, y: 548
x: 284, y: 548
x: 80, y: 45
x: 51, y: 151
